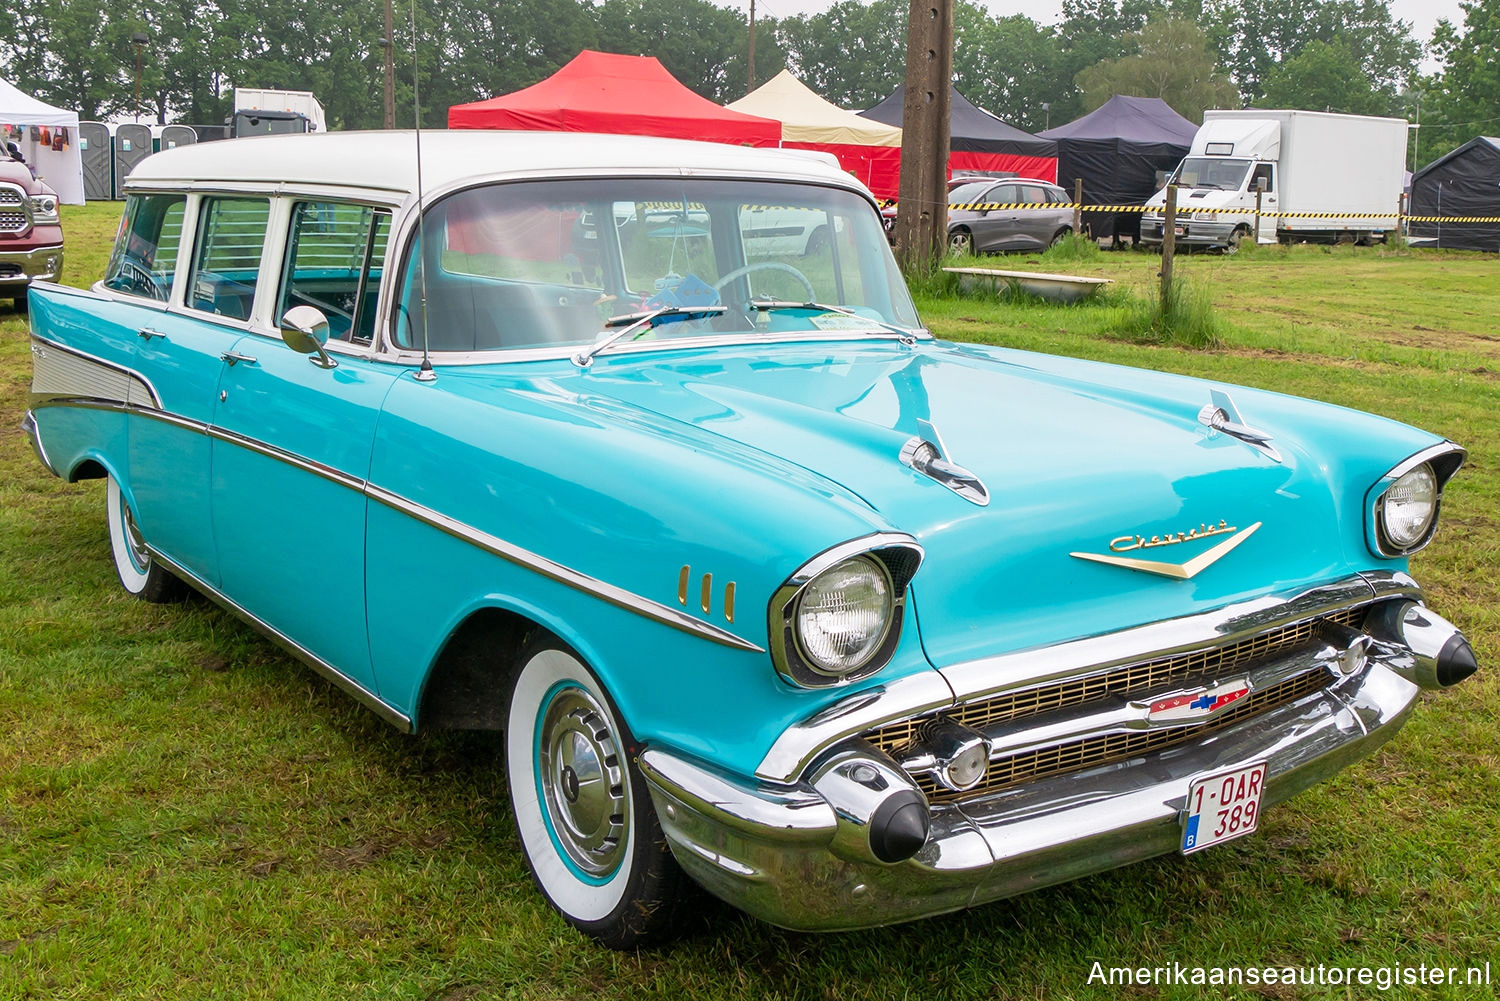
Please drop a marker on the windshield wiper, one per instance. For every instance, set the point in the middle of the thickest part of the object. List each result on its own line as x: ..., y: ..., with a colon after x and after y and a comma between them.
x: 635, y: 323
x: 764, y: 305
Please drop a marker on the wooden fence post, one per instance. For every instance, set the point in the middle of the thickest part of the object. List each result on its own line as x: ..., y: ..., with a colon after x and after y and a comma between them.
x: 1078, y: 206
x: 1168, y: 246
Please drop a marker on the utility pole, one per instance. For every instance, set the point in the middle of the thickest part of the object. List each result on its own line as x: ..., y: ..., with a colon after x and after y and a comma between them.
x: 750, y: 74
x: 922, y: 215
x: 389, y: 41
x: 139, y: 40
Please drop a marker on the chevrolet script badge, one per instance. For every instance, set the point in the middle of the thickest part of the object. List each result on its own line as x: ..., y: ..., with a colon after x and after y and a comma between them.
x: 1177, y: 571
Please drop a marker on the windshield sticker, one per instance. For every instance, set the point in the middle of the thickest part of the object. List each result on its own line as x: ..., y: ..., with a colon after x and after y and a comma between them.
x: 837, y: 321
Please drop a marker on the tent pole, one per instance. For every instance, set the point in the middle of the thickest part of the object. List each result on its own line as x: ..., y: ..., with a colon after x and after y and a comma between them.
x: 750, y: 74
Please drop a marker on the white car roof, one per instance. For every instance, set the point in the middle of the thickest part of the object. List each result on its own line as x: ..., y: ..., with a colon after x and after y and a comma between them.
x: 387, y: 160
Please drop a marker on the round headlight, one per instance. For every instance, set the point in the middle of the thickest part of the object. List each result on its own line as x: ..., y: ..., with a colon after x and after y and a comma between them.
x: 843, y: 615
x: 1409, y: 506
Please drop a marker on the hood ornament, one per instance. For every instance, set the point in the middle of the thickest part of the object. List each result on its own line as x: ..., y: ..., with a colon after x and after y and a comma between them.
x: 1221, y: 415
x: 927, y: 458
x: 1177, y: 571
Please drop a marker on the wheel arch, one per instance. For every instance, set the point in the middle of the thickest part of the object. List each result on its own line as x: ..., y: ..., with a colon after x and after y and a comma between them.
x: 467, y: 686
x: 89, y: 467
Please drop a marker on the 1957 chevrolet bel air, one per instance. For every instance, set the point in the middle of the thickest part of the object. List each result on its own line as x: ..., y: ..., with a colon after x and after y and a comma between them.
x: 766, y: 586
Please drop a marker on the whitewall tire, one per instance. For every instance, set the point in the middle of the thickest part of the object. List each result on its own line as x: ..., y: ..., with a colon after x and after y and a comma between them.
x: 139, y: 573
x: 583, y: 813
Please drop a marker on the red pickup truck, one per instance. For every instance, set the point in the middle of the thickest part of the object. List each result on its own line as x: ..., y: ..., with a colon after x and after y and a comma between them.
x: 31, y: 240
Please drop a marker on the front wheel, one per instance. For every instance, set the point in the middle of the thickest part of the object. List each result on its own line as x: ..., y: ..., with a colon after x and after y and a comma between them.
x: 139, y: 572
x: 587, y: 827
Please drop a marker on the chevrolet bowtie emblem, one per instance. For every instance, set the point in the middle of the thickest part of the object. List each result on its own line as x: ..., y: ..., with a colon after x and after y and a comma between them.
x: 1178, y: 571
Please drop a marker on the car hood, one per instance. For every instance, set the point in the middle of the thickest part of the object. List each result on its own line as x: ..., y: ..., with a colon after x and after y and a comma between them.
x: 1198, y: 199
x: 1077, y: 458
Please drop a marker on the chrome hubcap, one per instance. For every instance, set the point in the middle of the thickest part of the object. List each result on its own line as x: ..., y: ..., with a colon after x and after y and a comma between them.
x: 139, y: 555
x: 583, y: 782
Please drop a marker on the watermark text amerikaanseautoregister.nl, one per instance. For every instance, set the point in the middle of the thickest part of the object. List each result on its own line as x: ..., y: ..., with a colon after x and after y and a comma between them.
x: 1380, y: 977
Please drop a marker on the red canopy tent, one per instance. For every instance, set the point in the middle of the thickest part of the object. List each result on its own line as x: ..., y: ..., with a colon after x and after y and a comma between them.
x: 604, y: 92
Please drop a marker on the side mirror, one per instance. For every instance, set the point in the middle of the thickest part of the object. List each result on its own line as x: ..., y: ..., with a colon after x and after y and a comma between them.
x: 1262, y: 183
x: 305, y: 331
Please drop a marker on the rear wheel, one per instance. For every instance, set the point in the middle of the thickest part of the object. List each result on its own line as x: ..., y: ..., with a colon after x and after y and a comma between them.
x: 587, y: 827
x: 961, y: 243
x: 19, y: 303
x: 1060, y: 236
x: 139, y: 572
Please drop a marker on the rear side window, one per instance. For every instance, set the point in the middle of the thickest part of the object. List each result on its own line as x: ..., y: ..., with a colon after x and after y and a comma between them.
x: 335, y: 261
x: 226, y: 266
x: 1033, y: 194
x: 144, y: 260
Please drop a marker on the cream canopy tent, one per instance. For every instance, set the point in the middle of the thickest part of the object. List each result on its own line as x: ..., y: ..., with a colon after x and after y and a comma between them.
x: 61, y: 169
x: 807, y: 118
x: 869, y: 150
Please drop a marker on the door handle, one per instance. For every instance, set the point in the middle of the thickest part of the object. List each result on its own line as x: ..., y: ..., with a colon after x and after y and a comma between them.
x: 146, y: 333
x: 234, y: 356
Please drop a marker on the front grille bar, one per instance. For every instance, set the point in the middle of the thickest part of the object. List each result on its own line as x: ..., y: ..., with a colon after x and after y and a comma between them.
x: 1148, y: 676
x: 1109, y: 748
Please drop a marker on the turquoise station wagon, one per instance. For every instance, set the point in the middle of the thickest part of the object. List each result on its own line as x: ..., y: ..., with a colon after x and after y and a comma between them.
x: 637, y: 451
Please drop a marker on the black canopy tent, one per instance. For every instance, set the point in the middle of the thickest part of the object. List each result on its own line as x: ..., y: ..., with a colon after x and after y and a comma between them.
x: 1117, y: 150
x: 978, y: 140
x: 1464, y: 183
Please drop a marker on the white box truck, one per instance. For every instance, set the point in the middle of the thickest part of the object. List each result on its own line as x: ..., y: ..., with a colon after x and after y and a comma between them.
x: 1324, y: 177
x: 260, y: 112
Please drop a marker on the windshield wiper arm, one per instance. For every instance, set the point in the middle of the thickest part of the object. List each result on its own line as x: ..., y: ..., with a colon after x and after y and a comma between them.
x: 764, y: 305
x: 634, y: 323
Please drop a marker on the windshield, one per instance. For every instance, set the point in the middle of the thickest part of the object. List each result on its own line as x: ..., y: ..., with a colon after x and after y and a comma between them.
x: 551, y: 263
x: 1212, y: 172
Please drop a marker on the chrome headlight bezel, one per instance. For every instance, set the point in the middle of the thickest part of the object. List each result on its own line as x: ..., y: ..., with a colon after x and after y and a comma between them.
x: 895, y: 555
x: 44, y: 210
x: 1443, y: 460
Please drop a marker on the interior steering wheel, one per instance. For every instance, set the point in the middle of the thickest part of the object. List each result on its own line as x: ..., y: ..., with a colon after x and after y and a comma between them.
x: 139, y: 280
x: 766, y: 266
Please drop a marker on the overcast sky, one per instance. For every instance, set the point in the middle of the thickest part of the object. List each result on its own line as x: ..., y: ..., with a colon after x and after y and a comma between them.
x: 1423, y: 14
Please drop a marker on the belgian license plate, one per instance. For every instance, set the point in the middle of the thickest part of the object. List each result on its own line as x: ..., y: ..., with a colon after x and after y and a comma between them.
x: 1222, y: 807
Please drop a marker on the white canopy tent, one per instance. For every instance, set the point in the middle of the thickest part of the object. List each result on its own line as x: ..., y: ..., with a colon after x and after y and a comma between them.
x: 807, y: 118
x: 61, y: 169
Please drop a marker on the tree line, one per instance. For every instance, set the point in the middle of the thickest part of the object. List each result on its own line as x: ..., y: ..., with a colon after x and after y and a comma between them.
x: 1340, y: 55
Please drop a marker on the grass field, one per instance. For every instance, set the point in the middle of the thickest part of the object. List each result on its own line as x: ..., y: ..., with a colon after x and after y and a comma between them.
x: 187, y: 813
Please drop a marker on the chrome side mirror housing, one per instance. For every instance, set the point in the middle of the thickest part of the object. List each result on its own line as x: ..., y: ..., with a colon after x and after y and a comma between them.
x: 305, y: 331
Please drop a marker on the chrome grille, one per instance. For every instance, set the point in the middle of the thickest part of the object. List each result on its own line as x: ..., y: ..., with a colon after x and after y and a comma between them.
x: 1103, y: 749
x: 893, y: 738
x: 13, y: 215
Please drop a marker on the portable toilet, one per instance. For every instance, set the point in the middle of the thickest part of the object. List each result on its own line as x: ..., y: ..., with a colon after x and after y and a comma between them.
x: 173, y: 136
x: 132, y: 145
x: 96, y: 151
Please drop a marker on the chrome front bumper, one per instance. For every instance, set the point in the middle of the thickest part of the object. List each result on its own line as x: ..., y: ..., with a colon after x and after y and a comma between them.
x: 41, y: 264
x: 791, y: 853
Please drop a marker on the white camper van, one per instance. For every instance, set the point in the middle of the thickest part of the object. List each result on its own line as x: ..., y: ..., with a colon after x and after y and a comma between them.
x: 1324, y: 177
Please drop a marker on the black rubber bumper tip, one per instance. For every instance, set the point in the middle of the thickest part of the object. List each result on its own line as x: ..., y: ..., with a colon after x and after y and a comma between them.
x: 899, y: 827
x: 1455, y: 661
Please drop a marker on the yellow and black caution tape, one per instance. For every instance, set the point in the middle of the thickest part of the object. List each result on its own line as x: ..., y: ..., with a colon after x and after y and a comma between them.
x: 1187, y: 213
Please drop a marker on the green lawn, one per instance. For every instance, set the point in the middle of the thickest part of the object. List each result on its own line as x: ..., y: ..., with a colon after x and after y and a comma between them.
x: 185, y: 812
